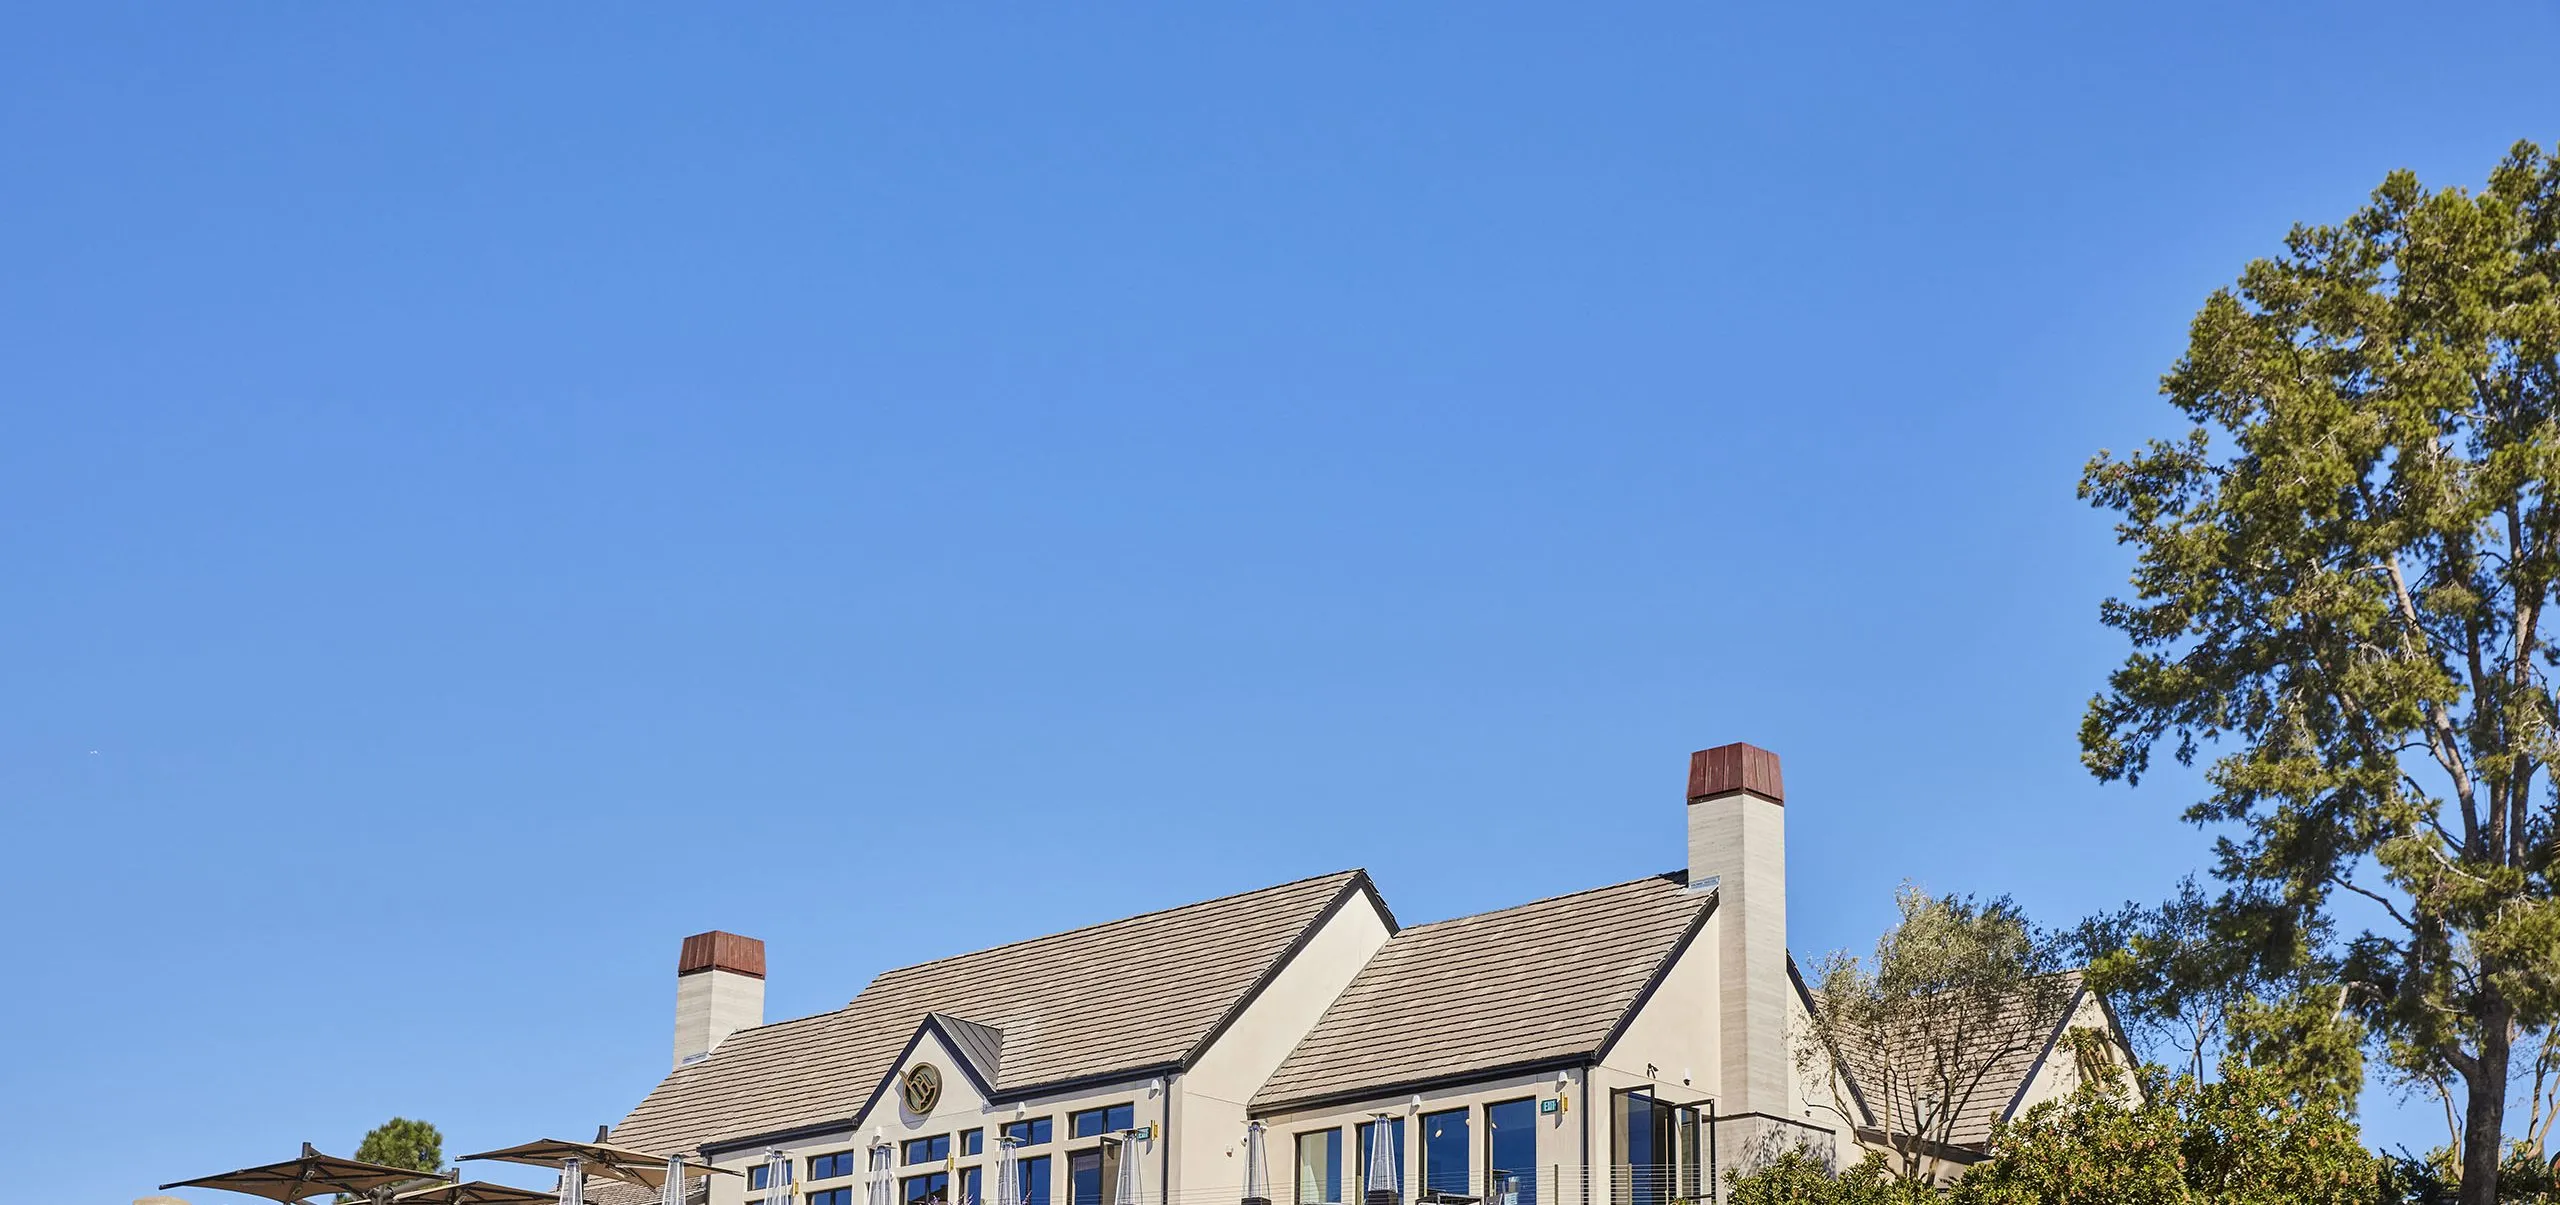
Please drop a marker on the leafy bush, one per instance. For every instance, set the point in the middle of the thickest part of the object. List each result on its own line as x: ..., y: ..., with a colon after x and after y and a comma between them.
x: 2243, y: 1141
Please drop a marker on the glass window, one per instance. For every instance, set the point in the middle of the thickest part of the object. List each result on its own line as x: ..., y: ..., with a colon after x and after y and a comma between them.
x: 1028, y: 1132
x: 758, y: 1175
x: 828, y: 1167
x: 932, y: 1188
x: 972, y: 1142
x: 1101, y: 1121
x: 1084, y: 1178
x: 969, y: 1186
x: 1395, y: 1139
x: 1686, y: 1135
x: 1320, y: 1168
x: 1445, y: 1144
x: 1033, y: 1176
x: 925, y: 1150
x: 833, y: 1196
x: 1657, y: 1149
x: 1511, y: 1152
x: 1640, y: 1155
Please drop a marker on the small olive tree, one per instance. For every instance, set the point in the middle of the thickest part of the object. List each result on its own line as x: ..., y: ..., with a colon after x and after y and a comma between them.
x: 1955, y: 989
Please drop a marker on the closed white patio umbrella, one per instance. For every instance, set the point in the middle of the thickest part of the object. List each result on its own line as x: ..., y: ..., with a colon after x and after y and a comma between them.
x: 1127, y: 1193
x: 777, y: 1178
x: 882, y: 1189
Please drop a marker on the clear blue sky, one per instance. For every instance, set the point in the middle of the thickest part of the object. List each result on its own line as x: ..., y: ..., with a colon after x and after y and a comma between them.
x: 491, y: 491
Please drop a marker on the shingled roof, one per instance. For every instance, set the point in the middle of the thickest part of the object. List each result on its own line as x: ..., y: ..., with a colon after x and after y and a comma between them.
x: 1126, y: 997
x: 1537, y: 985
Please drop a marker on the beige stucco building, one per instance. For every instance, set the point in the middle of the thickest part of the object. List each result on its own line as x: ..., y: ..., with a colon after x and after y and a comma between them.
x: 1615, y: 1046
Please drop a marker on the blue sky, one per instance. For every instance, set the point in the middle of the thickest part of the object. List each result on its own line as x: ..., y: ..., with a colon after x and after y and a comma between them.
x: 491, y: 491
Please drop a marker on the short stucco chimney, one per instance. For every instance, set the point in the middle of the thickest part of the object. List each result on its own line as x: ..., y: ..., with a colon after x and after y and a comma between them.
x: 1738, y: 847
x: 719, y: 991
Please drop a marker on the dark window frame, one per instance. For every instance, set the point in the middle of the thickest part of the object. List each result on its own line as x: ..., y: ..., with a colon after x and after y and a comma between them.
x: 1297, y: 1162
x: 1466, y: 1115
x: 1022, y: 1180
x: 1528, y: 1176
x: 1045, y: 1125
x: 907, y: 1150
x: 1360, y: 1137
x: 1103, y: 1186
x: 906, y: 1187
x: 1676, y: 1173
x: 1075, y: 1118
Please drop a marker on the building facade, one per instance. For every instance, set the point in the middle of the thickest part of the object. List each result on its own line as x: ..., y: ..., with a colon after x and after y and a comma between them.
x: 1617, y: 1046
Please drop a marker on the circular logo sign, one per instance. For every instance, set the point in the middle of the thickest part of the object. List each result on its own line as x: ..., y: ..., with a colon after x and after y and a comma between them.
x: 921, y: 1088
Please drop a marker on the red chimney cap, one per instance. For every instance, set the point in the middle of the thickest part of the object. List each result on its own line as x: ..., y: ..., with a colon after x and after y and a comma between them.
x: 1727, y: 769
x: 718, y: 951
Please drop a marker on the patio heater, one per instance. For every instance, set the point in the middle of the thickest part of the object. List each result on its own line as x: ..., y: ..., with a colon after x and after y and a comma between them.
x: 1378, y: 1187
x: 1257, y: 1178
x: 1008, y: 1189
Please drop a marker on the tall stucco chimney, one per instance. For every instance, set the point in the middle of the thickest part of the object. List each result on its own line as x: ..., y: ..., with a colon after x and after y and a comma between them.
x: 1738, y: 844
x: 719, y: 991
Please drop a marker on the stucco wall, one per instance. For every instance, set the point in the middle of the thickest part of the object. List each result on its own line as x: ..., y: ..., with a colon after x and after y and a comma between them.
x: 1209, y: 1099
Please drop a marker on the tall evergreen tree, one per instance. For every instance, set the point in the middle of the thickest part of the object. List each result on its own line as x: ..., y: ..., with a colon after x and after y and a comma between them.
x: 2339, y: 596
x: 401, y: 1142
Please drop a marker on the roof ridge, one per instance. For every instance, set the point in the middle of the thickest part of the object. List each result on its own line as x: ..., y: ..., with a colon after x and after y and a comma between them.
x: 1134, y: 916
x: 1677, y: 876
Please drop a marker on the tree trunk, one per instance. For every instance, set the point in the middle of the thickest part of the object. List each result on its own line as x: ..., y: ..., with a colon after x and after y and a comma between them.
x: 2484, y: 1119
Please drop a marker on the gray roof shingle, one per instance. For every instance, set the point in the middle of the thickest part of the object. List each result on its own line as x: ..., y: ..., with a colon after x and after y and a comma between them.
x: 1143, y: 992
x: 1538, y: 983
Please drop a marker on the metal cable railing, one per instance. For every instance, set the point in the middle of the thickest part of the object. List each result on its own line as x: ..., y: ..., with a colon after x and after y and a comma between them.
x: 1552, y: 1184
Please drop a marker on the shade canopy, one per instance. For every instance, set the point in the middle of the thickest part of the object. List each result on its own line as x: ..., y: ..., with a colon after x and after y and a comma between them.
x: 472, y: 1192
x: 309, y: 1176
x: 598, y: 1158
